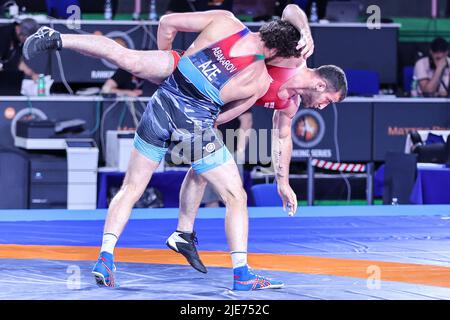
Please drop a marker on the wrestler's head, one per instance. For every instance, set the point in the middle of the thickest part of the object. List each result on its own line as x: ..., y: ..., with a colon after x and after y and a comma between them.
x: 327, y: 84
x: 281, y: 38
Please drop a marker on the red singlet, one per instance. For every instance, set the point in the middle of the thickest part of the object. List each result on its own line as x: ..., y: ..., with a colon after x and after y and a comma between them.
x: 279, y: 76
x: 176, y: 58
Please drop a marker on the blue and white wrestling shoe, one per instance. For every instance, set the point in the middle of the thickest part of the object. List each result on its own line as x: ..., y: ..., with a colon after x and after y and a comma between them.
x: 246, y: 280
x: 104, y: 269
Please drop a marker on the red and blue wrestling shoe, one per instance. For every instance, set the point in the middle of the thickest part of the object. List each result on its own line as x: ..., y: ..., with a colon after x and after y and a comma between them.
x: 246, y: 280
x: 104, y: 269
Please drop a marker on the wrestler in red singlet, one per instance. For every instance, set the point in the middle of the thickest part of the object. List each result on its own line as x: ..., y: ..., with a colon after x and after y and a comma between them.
x: 279, y: 76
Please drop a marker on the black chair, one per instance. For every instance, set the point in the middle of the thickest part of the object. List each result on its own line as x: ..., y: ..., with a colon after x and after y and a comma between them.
x: 399, y: 177
x: 436, y: 152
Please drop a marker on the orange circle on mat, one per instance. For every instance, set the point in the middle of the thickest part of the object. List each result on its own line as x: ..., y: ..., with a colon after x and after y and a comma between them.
x: 98, y: 33
x: 10, y: 113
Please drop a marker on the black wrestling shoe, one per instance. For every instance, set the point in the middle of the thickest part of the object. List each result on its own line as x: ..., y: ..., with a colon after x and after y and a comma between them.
x: 45, y: 39
x: 184, y: 243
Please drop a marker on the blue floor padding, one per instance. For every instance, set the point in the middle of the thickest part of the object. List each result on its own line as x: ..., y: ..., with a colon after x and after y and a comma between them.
x: 213, y: 213
x: 38, y: 279
x: 398, y: 239
x: 383, y: 233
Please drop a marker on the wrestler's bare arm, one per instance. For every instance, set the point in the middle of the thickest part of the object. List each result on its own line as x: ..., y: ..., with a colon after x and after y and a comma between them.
x: 235, y: 109
x: 171, y: 24
x: 298, y: 18
x: 282, y: 152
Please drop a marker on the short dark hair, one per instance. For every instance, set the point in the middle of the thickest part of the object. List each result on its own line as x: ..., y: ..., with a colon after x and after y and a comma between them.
x: 335, y: 79
x: 439, y: 45
x: 281, y: 35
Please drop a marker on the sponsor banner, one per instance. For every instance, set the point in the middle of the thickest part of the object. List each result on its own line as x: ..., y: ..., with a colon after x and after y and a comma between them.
x: 322, y: 135
x: 394, y: 121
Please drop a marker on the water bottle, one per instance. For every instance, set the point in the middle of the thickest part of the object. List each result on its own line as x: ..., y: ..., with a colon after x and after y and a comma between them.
x: 137, y: 10
x: 314, y: 17
x: 108, y: 10
x: 414, y: 92
x: 41, y: 85
x: 153, y: 16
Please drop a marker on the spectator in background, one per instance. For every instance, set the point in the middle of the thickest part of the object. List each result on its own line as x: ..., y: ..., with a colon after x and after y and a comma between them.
x: 432, y: 73
x: 123, y: 83
x: 12, y: 37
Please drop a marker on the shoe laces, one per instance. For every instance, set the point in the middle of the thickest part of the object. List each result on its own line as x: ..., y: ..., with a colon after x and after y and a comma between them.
x: 40, y: 34
x: 250, y: 271
x: 48, y: 42
x: 194, y: 238
x: 44, y: 31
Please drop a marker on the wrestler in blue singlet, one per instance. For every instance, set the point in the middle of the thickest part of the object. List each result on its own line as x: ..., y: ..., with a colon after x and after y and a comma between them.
x: 186, y: 105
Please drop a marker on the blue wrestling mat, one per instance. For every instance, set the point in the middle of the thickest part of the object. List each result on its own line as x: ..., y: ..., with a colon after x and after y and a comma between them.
x: 377, y: 252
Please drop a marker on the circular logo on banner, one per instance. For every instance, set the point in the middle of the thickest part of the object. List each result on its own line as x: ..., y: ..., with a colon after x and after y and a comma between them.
x: 121, y: 38
x: 308, y: 128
